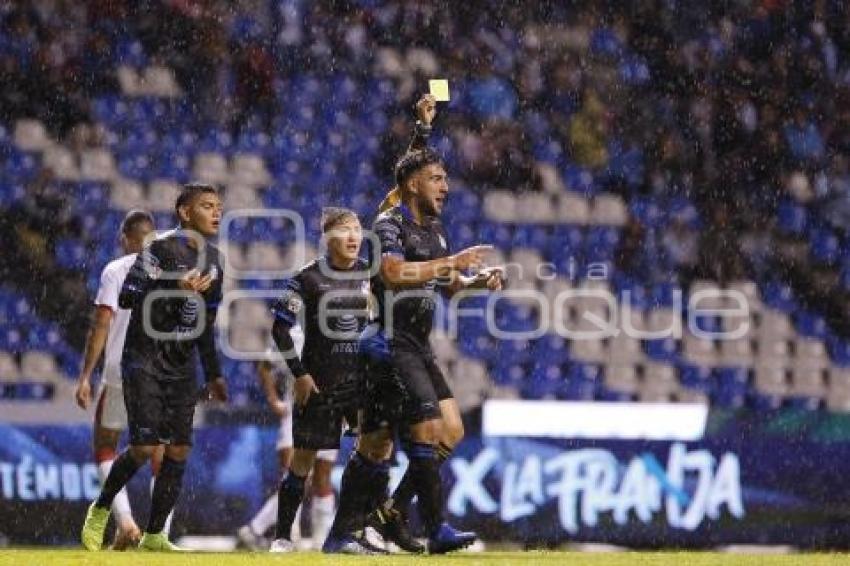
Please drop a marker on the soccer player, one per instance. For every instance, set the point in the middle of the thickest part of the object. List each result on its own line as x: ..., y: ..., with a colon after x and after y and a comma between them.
x: 174, y: 289
x: 276, y: 382
x: 107, y: 334
x: 329, y: 298
x: 415, y: 264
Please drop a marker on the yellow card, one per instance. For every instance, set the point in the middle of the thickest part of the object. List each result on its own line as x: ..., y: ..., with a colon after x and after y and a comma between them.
x: 439, y: 89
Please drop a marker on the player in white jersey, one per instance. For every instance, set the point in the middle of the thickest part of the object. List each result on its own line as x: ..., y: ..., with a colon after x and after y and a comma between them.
x: 277, y: 384
x: 107, y: 334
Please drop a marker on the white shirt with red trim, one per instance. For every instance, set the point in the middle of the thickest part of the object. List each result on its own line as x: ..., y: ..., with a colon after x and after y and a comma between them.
x: 111, y: 281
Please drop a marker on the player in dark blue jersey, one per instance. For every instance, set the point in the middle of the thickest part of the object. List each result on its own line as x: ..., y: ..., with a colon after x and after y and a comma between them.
x: 405, y: 386
x: 329, y: 298
x: 174, y: 289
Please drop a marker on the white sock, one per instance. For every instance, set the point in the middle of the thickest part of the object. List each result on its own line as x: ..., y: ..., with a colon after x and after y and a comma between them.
x: 121, y: 503
x: 322, y: 517
x: 166, y: 528
x: 295, y: 531
x: 266, y: 517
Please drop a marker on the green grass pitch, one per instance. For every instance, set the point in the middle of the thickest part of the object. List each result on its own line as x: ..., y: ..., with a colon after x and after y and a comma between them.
x: 81, y: 558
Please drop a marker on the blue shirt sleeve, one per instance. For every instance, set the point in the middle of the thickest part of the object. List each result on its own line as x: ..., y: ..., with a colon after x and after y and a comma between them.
x: 388, y: 231
x: 290, y: 303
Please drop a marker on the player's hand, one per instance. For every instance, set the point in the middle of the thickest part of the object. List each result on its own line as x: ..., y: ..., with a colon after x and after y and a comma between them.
x: 304, y: 387
x: 279, y: 407
x: 82, y: 394
x: 426, y: 109
x: 217, y: 390
x: 489, y: 278
x: 194, y: 281
x: 471, y: 258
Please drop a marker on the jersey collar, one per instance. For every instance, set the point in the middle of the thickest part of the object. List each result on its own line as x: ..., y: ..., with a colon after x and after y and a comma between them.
x: 406, y: 212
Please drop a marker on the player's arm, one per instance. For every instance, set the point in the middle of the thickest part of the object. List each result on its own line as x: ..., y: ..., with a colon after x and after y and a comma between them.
x: 95, y: 343
x: 426, y: 111
x: 488, y: 278
x: 212, y: 289
x: 285, y: 313
x: 268, y: 385
x: 398, y: 273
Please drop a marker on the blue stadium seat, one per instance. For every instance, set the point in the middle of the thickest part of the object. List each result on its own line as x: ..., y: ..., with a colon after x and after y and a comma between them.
x: 698, y: 378
x: 509, y: 375
x: 550, y: 349
x: 791, y: 217
x: 514, y: 351
x: 111, y: 110
x: 707, y: 323
x: 804, y: 403
x: 140, y: 167
x: 662, y: 350
x: 778, y: 295
x: 582, y: 384
x: 531, y: 236
x: 662, y: 294
x: 647, y: 211
x: 579, y: 180
x: 765, y: 402
x: 130, y: 52
x: 45, y: 337
x: 839, y: 351
x: 20, y: 166
x: 810, y: 325
x: 631, y: 291
x: 496, y: 234
x: 480, y: 346
x: 601, y: 243
x: 732, y: 387
x: 72, y: 253
x: 11, y: 339
x: 825, y: 246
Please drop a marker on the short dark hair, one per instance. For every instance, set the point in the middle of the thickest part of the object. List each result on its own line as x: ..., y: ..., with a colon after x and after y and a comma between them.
x: 191, y: 191
x: 333, y: 215
x: 134, y: 218
x: 413, y: 161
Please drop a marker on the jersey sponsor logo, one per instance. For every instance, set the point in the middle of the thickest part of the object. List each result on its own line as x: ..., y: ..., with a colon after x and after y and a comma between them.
x: 294, y: 304
x: 347, y: 323
x: 345, y: 348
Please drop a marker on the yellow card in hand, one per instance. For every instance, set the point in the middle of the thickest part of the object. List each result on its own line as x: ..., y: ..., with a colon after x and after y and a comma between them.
x: 439, y: 89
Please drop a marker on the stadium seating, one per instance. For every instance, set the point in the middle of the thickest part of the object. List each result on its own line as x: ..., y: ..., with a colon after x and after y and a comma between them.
x: 327, y: 135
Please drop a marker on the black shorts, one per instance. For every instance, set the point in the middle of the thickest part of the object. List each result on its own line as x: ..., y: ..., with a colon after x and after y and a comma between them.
x: 405, y: 389
x: 159, y: 411
x: 318, y: 425
x: 315, y: 427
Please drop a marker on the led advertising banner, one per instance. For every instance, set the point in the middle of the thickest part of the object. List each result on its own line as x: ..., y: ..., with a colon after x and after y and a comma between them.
x: 766, y: 478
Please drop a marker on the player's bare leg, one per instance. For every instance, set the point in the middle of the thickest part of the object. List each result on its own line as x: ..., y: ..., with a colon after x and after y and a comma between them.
x: 323, y: 500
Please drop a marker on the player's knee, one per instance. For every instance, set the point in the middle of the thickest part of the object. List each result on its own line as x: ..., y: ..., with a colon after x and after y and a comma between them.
x: 322, y: 478
x: 453, y: 433
x: 427, y: 432
x: 302, y: 462
x: 142, y: 453
x: 376, y: 447
x: 178, y: 453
